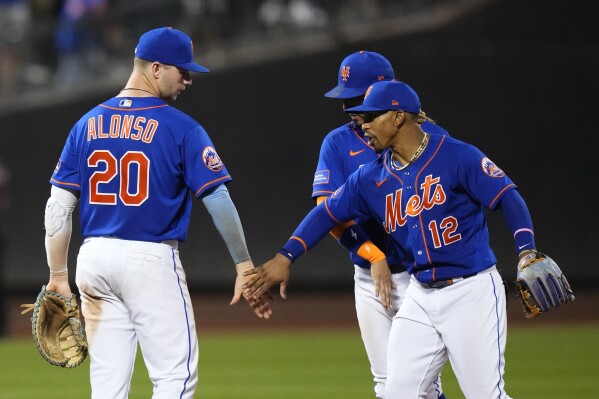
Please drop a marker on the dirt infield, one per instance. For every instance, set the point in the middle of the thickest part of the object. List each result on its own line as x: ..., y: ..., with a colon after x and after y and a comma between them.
x: 318, y: 310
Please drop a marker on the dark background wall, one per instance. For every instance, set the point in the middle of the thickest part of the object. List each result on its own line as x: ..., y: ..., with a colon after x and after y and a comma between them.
x: 517, y: 79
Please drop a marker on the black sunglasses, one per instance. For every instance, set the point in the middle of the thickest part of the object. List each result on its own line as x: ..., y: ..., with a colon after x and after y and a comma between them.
x: 370, y: 116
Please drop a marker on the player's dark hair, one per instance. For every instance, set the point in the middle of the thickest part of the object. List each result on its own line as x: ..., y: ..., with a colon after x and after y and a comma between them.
x: 423, y: 118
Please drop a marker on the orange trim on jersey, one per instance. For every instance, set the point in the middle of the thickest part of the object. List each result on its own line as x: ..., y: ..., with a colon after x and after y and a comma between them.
x: 210, y: 182
x: 361, y: 138
x: 322, y: 192
x: 428, y: 255
x: 65, y: 183
x: 330, y: 214
x: 133, y: 109
x: 391, y: 171
x: 429, y: 160
x: 338, y: 230
x: 498, y: 195
x: 301, y: 242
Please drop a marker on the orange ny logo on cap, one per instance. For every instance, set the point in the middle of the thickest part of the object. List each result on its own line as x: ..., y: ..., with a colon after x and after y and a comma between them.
x: 394, y: 102
x: 345, y: 72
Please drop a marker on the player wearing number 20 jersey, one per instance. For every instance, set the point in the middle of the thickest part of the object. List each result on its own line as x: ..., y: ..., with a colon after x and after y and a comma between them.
x: 135, y: 164
x: 141, y: 156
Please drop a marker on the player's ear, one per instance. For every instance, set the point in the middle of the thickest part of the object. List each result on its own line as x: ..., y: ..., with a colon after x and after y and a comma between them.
x: 156, y: 68
x: 399, y: 117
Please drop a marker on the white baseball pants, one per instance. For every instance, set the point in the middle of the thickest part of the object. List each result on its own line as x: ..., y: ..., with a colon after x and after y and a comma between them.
x: 132, y: 293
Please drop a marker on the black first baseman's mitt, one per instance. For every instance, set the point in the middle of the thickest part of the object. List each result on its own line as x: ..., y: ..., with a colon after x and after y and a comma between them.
x: 57, y: 330
x: 541, y: 284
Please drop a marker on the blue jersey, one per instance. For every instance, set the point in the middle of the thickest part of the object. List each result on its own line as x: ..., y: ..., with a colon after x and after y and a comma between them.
x: 433, y: 207
x: 343, y: 151
x: 137, y: 162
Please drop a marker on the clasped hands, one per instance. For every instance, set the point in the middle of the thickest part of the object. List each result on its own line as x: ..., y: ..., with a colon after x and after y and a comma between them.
x: 276, y: 271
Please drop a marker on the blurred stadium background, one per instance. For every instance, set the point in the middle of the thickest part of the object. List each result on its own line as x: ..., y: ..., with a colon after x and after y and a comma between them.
x: 517, y: 78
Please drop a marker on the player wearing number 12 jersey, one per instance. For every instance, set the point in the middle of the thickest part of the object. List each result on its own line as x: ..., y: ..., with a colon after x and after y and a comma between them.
x: 135, y: 164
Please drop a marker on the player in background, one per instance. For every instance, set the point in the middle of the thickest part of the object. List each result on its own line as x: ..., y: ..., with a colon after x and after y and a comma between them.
x: 134, y: 163
x: 343, y: 151
x: 429, y: 193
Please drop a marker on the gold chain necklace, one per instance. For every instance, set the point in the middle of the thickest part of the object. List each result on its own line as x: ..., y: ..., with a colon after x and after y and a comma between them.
x: 395, y: 165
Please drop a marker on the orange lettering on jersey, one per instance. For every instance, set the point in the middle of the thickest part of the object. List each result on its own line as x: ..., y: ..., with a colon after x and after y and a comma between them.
x: 437, y: 197
x: 121, y: 126
x: 395, y: 215
x: 91, y: 129
x: 126, y: 126
x: 101, y: 134
x: 115, y: 126
x: 138, y: 127
x: 149, y: 131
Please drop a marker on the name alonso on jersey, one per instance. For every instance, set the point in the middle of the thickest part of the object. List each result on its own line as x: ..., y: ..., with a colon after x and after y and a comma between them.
x: 123, y: 127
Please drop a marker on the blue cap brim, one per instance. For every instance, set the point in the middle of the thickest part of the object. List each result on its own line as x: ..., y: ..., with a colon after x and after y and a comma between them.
x: 346, y: 92
x: 192, y: 66
x: 360, y: 109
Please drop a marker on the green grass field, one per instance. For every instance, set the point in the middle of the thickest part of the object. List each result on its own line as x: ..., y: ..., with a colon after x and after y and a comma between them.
x: 549, y: 363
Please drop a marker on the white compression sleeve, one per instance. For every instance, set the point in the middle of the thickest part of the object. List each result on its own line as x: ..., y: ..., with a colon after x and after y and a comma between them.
x: 226, y: 220
x: 58, y: 224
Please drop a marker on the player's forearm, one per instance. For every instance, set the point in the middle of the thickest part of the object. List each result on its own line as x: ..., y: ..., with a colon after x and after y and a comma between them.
x: 227, y: 222
x: 352, y: 237
x: 310, y: 232
x: 517, y: 217
x: 58, y: 224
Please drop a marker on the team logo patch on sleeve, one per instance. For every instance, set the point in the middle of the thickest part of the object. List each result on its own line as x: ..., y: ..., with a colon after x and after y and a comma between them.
x: 490, y: 168
x: 321, y: 177
x: 211, y: 159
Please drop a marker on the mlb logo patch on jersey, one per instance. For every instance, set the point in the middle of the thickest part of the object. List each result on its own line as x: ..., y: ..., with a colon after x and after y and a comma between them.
x: 125, y: 103
x: 321, y: 177
x: 490, y: 168
x: 211, y: 159
x: 57, y: 168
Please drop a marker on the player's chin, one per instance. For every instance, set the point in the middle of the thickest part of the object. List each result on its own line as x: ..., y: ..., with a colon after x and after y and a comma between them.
x: 378, y: 148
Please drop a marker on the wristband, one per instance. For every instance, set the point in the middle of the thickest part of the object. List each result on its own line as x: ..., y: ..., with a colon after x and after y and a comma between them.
x: 293, y: 249
x: 370, y: 252
x: 352, y: 238
x: 286, y: 254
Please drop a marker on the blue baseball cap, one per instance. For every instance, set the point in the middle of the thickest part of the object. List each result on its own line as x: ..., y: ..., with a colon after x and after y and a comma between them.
x: 358, y: 71
x: 168, y: 46
x: 388, y: 96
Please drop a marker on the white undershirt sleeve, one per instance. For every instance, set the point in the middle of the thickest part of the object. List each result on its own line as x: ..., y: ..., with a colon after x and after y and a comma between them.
x: 58, y: 224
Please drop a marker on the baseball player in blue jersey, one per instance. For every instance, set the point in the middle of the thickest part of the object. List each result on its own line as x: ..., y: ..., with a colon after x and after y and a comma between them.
x: 343, y: 151
x: 429, y: 193
x: 134, y: 163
